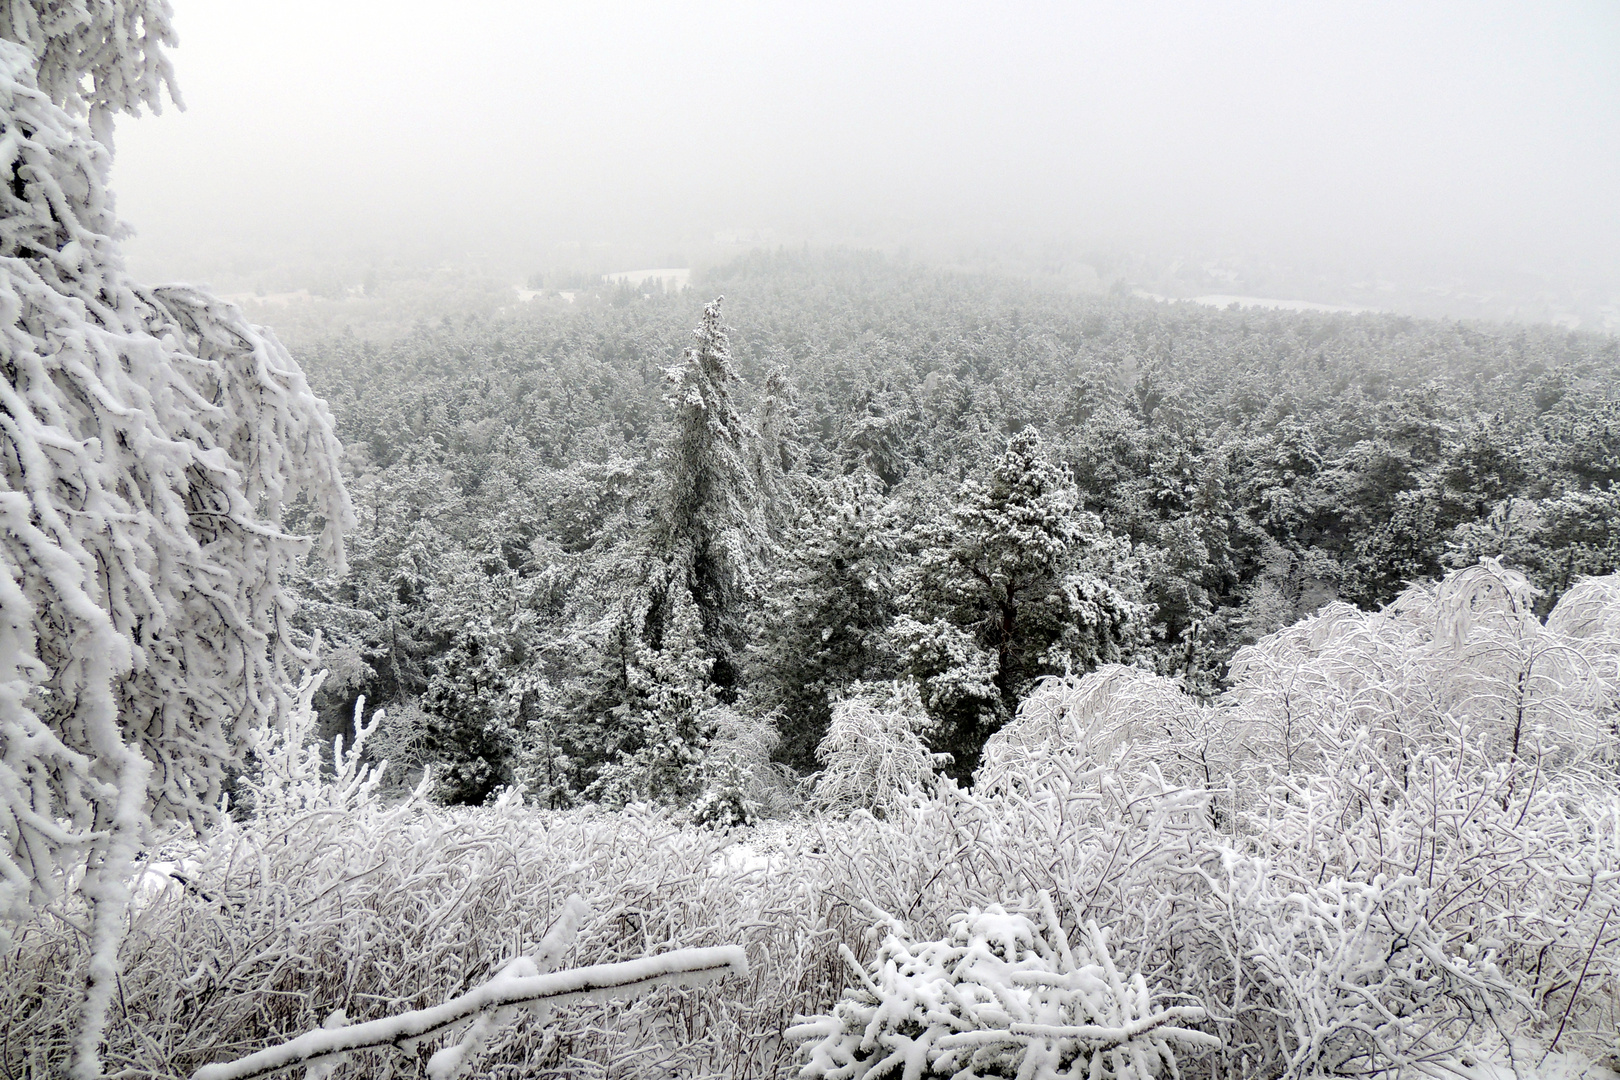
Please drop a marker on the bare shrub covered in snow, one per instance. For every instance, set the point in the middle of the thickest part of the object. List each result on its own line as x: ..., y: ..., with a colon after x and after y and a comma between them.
x: 291, y: 778
x: 1424, y: 928
x: 321, y: 902
x: 873, y: 752
x: 1414, y: 816
x: 1091, y: 717
x: 1466, y: 651
x: 1429, y: 906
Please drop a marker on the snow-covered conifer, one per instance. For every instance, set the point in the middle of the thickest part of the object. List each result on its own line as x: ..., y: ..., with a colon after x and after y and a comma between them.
x: 823, y: 621
x: 710, y: 530
x: 104, y: 56
x: 675, y: 640
x: 1013, y: 583
x: 998, y: 997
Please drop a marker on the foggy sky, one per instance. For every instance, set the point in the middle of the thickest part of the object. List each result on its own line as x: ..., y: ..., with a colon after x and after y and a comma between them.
x: 1439, y: 131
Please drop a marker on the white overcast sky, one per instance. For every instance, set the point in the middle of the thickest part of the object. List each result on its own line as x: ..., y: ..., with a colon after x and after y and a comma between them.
x: 1424, y: 129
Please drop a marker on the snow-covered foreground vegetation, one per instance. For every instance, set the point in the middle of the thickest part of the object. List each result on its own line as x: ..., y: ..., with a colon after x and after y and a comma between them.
x: 1394, y: 844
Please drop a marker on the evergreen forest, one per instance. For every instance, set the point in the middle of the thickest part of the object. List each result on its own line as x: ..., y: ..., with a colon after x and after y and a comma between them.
x: 598, y: 558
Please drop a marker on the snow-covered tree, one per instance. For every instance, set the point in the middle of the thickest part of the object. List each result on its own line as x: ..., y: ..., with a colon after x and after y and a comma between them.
x: 1013, y: 583
x: 100, y: 56
x: 666, y: 715
x: 873, y: 755
x: 489, y: 684
x: 709, y: 533
x: 150, y: 442
x: 689, y: 572
x: 823, y: 623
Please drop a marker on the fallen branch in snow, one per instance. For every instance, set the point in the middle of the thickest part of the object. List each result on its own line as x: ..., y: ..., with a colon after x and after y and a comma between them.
x: 684, y: 967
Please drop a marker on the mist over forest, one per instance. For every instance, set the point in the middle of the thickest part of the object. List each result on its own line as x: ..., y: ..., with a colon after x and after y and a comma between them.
x: 841, y: 543
x: 1405, y: 157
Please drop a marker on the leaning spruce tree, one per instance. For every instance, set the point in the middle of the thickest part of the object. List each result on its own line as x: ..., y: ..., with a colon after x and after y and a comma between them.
x: 710, y: 531
x: 150, y: 440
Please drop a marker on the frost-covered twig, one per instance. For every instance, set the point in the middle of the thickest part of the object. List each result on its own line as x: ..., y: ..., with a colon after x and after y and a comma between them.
x: 1163, y: 1022
x: 291, y: 778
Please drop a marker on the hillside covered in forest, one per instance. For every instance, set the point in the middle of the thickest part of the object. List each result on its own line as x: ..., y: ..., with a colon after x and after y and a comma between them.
x: 868, y: 471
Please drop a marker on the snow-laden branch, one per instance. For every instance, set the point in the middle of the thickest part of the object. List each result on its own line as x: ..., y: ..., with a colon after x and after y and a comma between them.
x: 1161, y: 1022
x: 105, y: 56
x: 1000, y: 994
x: 683, y: 967
x: 153, y: 445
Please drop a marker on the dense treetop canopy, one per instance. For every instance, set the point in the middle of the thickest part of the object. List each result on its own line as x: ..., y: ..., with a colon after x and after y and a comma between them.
x: 1214, y: 475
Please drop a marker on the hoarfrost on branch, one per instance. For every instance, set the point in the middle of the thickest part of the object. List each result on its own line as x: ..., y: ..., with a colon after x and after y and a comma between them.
x: 151, y: 442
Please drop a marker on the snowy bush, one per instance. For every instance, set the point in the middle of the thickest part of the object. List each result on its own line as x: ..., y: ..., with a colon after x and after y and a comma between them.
x: 741, y: 782
x: 1093, y: 716
x: 1468, y: 651
x: 1303, y: 927
x: 873, y: 752
x: 1354, y: 976
x: 999, y: 996
x: 1329, y: 925
x: 269, y: 925
x: 1477, y: 894
x: 1428, y: 906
